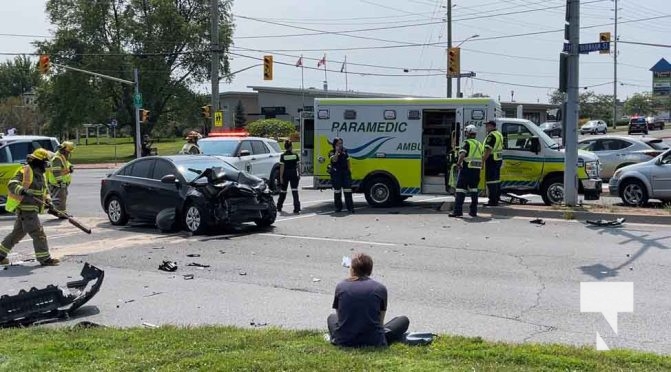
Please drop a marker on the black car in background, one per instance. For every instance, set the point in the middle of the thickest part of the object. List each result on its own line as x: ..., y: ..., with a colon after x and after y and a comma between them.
x: 202, y: 192
x: 638, y: 124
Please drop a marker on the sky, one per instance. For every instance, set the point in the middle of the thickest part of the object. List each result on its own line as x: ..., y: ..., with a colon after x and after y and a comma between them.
x: 515, y: 50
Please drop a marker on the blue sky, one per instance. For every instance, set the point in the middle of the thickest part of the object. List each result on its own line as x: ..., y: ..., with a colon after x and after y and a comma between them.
x: 526, y: 65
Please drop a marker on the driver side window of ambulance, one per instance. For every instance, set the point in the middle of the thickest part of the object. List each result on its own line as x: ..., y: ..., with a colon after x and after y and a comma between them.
x: 516, y: 137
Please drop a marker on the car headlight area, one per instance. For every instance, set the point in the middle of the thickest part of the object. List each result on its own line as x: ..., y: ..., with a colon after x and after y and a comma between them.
x: 592, y: 169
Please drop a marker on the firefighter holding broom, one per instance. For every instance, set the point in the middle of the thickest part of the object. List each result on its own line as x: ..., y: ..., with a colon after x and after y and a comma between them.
x: 27, y: 198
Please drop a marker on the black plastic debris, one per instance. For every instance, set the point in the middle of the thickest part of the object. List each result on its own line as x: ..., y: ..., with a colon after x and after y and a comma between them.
x: 52, y: 302
x: 606, y: 223
x: 168, y: 266
x: 187, y: 276
x: 537, y: 221
x: 196, y: 264
x: 256, y: 324
x: 193, y: 255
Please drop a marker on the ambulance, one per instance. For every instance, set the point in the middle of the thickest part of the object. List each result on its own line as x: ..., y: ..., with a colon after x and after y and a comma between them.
x: 401, y: 147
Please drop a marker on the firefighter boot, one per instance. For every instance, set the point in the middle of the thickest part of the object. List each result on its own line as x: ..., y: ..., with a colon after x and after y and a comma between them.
x: 349, y: 203
x: 297, y: 203
x: 458, y: 205
x: 337, y: 199
x: 473, y: 212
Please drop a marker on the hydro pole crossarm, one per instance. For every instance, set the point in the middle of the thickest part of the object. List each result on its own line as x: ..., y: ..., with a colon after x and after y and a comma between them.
x: 95, y: 74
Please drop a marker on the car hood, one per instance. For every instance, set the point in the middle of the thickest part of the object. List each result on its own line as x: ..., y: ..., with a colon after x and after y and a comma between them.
x: 588, y: 125
x: 585, y: 155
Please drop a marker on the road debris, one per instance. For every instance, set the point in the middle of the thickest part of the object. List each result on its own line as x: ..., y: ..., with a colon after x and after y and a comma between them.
x: 149, y: 325
x: 316, y: 280
x: 607, y: 223
x: 346, y: 261
x: 193, y: 255
x: 254, y: 324
x: 537, y: 221
x: 242, y: 273
x: 196, y: 264
x: 187, y: 276
x: 168, y: 266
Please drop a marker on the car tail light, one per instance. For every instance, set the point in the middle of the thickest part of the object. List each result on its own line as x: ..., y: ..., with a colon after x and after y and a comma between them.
x: 652, y: 154
x: 103, y: 182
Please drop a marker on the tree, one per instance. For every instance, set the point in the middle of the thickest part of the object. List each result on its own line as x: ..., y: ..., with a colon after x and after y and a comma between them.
x: 167, y: 40
x: 274, y: 128
x: 18, y: 76
x: 556, y: 97
x: 240, y: 116
x: 596, y: 106
x: 639, y: 104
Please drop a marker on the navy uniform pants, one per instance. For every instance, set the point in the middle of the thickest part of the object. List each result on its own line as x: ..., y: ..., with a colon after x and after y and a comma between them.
x: 290, y: 177
x: 342, y: 183
x: 467, y: 183
x: 493, y: 179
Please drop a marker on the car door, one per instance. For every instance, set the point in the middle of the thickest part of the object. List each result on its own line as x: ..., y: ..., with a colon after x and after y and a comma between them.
x: 262, y: 161
x: 607, y: 149
x: 246, y: 160
x: 522, y: 168
x: 165, y: 195
x: 137, y: 188
x: 660, y: 178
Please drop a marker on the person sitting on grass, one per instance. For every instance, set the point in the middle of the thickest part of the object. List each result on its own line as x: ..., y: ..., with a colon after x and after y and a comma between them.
x: 361, y: 303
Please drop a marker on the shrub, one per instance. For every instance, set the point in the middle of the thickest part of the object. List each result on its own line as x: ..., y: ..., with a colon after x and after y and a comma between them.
x: 274, y: 128
x: 295, y: 137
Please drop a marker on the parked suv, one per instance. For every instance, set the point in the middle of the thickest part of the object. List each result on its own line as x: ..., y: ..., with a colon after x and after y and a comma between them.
x: 638, y: 124
x: 636, y: 184
x: 655, y: 123
x: 13, y: 152
x: 594, y: 127
x: 255, y: 155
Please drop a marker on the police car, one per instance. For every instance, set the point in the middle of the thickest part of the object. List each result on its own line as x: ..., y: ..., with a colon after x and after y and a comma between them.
x: 256, y: 155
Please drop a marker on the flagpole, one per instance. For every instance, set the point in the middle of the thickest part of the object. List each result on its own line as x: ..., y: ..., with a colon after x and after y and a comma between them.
x: 302, y: 86
x: 326, y: 80
x: 346, y: 86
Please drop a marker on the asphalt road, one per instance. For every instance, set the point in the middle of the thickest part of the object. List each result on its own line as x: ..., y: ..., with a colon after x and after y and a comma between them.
x: 498, y: 278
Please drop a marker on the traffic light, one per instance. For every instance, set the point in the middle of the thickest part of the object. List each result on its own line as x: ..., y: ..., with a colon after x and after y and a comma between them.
x: 604, y: 37
x: 144, y: 116
x: 206, y: 111
x: 44, y: 64
x: 453, y: 67
x: 267, y: 67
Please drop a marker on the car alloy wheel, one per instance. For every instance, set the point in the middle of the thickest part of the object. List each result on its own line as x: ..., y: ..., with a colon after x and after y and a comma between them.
x: 633, y: 193
x: 114, y: 210
x: 192, y: 218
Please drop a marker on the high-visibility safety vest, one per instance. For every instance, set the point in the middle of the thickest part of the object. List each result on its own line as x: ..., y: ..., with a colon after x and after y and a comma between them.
x: 14, y: 199
x: 190, y: 148
x: 59, y: 172
x: 497, y: 150
x: 475, y: 151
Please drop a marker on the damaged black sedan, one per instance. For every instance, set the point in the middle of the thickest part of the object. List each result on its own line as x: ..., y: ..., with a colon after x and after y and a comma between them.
x: 196, y: 193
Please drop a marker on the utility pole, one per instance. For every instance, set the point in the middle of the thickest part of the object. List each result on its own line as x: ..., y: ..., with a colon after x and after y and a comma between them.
x: 138, y: 145
x: 572, y: 108
x: 615, y: 70
x: 449, y: 45
x: 214, y: 10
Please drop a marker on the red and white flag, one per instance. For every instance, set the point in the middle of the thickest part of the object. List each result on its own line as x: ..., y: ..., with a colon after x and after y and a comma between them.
x: 322, y: 61
x: 299, y: 63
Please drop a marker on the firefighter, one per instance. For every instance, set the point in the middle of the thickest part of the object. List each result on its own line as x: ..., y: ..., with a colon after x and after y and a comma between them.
x: 469, y: 173
x: 27, y: 192
x: 493, y: 159
x: 59, y: 175
x: 289, y: 175
x: 146, y: 145
x: 191, y: 145
x: 341, y: 176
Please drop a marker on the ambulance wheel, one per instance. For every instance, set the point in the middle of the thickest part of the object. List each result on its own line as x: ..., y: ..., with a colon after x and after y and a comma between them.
x: 381, y: 192
x: 552, y: 190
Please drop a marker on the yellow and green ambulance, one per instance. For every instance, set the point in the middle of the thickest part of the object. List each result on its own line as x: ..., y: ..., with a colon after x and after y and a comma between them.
x: 400, y: 147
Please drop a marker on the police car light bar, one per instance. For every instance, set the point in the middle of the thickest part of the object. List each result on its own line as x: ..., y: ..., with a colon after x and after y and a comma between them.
x: 230, y: 133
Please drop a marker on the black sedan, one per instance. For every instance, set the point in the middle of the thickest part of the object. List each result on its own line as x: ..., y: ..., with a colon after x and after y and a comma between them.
x: 145, y: 187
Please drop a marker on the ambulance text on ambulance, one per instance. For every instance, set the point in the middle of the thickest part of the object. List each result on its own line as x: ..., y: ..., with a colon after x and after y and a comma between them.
x: 379, y: 127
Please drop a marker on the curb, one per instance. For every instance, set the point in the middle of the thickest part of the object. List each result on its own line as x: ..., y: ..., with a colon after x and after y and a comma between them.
x: 98, y: 166
x: 509, y: 211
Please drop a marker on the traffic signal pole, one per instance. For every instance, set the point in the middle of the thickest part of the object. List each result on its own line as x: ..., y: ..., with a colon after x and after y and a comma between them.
x: 214, y: 10
x: 572, y: 108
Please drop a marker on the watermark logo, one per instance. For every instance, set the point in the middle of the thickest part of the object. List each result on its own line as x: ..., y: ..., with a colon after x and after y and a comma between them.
x: 607, y: 298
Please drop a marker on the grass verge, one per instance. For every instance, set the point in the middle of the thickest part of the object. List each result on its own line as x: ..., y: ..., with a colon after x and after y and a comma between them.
x: 234, y: 349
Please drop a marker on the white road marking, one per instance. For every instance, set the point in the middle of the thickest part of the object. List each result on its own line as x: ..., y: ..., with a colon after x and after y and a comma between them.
x: 327, y: 239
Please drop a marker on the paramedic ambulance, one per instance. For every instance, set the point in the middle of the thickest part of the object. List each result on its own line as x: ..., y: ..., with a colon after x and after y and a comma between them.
x: 400, y: 147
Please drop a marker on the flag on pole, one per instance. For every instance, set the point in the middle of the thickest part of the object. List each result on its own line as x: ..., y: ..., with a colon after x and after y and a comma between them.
x: 322, y: 61
x: 299, y: 63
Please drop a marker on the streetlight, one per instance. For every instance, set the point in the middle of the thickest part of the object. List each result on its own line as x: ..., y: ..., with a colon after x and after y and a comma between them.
x: 470, y: 74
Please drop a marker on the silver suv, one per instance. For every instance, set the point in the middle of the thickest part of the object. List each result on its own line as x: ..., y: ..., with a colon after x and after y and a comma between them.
x: 636, y: 184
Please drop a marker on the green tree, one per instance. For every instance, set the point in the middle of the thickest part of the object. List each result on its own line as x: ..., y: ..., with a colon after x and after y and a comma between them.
x: 18, y: 76
x: 639, y: 104
x: 274, y: 128
x: 240, y: 116
x: 167, y: 40
x: 556, y: 97
x: 596, y: 106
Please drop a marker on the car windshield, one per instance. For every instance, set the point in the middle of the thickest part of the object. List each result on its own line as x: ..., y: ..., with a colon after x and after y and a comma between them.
x: 192, y: 168
x: 638, y: 120
x: 590, y: 124
x: 546, y: 126
x: 220, y: 147
x: 548, y: 140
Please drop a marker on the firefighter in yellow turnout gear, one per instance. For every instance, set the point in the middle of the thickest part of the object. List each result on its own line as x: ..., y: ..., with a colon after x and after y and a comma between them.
x: 469, y: 164
x: 26, y: 186
x: 59, y: 175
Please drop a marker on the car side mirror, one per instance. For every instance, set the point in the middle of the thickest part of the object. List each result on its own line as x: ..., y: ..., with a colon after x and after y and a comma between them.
x: 535, y: 145
x: 244, y: 153
x: 170, y: 178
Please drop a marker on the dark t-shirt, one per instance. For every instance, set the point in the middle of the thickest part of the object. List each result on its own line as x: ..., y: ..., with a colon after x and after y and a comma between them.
x: 290, y: 160
x: 341, y: 164
x: 358, y: 304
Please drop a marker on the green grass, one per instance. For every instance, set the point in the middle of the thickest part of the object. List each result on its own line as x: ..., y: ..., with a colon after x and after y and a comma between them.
x: 233, y: 349
x: 104, y: 152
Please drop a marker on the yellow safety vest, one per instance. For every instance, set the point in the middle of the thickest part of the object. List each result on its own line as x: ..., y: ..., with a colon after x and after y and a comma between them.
x: 497, y: 150
x: 474, y: 156
x: 13, y: 200
x: 64, y: 170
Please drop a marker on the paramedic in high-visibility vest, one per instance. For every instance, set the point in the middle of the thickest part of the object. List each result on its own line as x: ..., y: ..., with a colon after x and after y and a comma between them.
x: 341, y: 176
x: 469, y: 165
x: 59, y: 175
x: 493, y: 159
x: 27, y: 193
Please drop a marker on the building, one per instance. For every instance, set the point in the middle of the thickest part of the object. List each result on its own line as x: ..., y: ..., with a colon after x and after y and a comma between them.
x: 287, y: 103
x: 661, y: 78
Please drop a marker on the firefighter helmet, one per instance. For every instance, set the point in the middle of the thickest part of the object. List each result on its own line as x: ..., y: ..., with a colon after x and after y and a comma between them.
x: 67, y: 146
x: 471, y: 129
x: 193, y: 135
x: 39, y: 154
